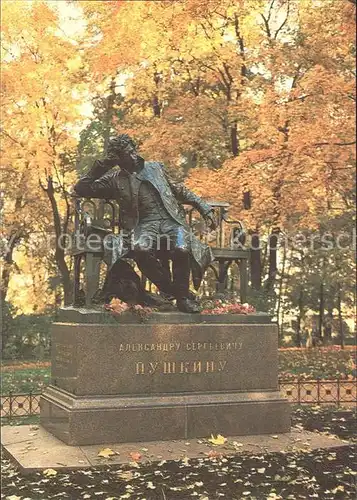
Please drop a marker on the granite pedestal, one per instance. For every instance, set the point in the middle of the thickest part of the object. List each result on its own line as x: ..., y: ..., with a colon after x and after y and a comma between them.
x: 178, y: 376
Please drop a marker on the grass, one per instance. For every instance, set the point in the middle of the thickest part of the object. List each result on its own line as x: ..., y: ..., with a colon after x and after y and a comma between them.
x: 323, y: 363
x: 15, y: 421
x: 21, y: 379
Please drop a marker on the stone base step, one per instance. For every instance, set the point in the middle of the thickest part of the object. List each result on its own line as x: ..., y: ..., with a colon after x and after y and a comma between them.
x: 104, y: 419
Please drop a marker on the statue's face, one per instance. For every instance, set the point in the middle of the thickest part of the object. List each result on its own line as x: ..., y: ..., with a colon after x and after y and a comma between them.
x: 126, y: 156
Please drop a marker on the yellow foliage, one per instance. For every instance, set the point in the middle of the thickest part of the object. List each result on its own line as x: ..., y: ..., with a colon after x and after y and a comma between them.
x: 230, y: 95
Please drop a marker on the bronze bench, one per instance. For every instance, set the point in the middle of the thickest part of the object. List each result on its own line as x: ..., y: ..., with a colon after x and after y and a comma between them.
x: 96, y: 218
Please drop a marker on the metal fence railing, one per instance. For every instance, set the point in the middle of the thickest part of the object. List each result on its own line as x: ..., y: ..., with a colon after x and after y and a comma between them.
x: 318, y: 392
x: 20, y: 405
x: 300, y: 391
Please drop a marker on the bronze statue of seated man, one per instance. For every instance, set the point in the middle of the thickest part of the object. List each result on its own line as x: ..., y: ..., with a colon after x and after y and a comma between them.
x: 151, y: 220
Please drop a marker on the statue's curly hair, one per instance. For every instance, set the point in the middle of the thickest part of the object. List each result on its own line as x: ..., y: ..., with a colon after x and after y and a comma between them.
x: 121, y: 141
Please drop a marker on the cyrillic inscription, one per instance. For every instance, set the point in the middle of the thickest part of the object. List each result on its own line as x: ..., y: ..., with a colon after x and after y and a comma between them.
x: 64, y: 355
x: 171, y: 367
x: 181, y: 346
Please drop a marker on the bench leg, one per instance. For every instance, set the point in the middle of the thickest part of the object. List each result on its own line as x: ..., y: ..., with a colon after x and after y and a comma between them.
x: 92, y: 276
x: 221, y: 284
x: 243, y: 275
x: 77, y: 277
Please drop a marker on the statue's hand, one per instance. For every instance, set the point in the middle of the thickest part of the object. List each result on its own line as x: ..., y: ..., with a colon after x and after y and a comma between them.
x: 109, y: 162
x: 101, y: 167
x: 210, y: 220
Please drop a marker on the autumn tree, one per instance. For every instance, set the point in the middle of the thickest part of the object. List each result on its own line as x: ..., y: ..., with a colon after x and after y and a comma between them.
x: 43, y: 82
x: 249, y: 101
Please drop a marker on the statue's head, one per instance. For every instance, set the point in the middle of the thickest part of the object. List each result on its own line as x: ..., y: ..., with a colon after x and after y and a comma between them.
x: 122, y: 148
x: 121, y: 144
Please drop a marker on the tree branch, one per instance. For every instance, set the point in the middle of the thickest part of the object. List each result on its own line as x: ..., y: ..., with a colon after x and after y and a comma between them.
x: 11, y: 138
x: 335, y: 143
x: 284, y: 22
x: 270, y: 10
x: 266, y: 24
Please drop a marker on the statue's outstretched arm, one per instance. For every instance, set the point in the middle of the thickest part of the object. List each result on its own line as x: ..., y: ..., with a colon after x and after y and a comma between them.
x: 186, y: 196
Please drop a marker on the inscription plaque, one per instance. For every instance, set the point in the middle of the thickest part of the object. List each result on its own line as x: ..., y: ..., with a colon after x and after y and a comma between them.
x: 180, y: 366
x: 153, y: 359
x: 64, y: 359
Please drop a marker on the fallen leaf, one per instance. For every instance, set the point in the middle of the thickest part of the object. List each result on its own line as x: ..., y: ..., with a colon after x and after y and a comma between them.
x: 49, y: 472
x: 214, y: 454
x: 106, y: 453
x: 338, y: 488
x: 13, y: 497
x: 126, y: 475
x: 217, y: 440
x: 135, y: 455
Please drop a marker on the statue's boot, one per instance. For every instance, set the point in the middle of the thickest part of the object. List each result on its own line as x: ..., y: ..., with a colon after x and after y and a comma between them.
x: 185, y: 299
x: 156, y: 301
x: 188, y: 305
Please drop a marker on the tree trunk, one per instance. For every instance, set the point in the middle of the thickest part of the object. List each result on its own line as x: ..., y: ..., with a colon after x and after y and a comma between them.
x: 328, y: 324
x: 282, y: 275
x: 299, y: 318
x: 6, y: 269
x: 255, y: 262
x: 340, y: 319
x: 109, y: 115
x: 156, y: 106
x: 17, y: 234
x: 14, y: 238
x: 65, y: 275
x: 272, y: 271
x: 5, y: 278
x: 234, y: 139
x: 59, y: 251
x: 321, y: 311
